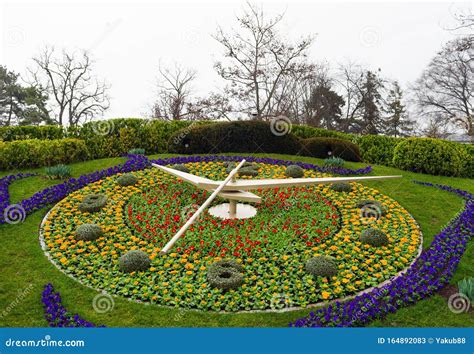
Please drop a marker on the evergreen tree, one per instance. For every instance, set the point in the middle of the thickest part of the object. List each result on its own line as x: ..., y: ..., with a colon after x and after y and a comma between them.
x: 370, y: 122
x: 326, y: 107
x: 21, y: 105
x: 397, y: 123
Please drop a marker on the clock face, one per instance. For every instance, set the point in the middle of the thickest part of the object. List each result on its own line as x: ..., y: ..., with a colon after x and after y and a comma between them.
x: 274, y: 249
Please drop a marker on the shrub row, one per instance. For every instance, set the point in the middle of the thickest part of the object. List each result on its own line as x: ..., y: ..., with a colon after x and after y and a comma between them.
x: 47, y: 132
x: 116, y: 137
x: 35, y: 152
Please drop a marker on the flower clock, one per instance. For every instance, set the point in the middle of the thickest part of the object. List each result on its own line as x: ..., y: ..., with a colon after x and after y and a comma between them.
x: 304, y: 245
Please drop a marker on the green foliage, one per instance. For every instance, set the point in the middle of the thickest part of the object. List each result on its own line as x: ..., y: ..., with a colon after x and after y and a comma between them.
x: 330, y: 147
x: 466, y: 287
x: 466, y: 152
x: 137, y: 151
x: 127, y: 179
x: 225, y: 275
x: 374, y: 237
x: 116, y: 137
x: 294, y: 171
x: 181, y: 168
x: 306, y: 132
x: 239, y: 136
x: 27, y: 132
x: 58, y: 172
x: 134, y: 261
x: 321, y: 266
x: 426, y: 155
x: 88, y: 232
x: 33, y: 153
x: 341, y: 187
x: 334, y: 162
x: 248, y: 171
x: 93, y: 203
x: 377, y: 148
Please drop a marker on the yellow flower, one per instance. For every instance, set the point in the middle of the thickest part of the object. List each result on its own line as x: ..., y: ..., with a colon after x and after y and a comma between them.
x: 325, y: 295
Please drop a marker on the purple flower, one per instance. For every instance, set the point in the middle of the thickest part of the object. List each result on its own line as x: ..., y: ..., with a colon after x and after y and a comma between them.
x: 431, y: 271
x: 56, y: 314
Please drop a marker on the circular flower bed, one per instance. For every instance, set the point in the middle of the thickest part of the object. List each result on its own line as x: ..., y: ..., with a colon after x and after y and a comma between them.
x: 292, y: 226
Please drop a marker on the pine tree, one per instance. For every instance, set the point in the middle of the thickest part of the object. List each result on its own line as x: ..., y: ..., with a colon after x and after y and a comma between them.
x: 397, y: 122
x: 371, y: 103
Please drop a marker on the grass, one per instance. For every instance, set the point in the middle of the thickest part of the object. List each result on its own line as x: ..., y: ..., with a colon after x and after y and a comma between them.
x: 22, y: 263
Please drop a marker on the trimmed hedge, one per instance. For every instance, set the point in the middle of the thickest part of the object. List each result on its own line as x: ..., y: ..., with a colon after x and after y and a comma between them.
x: 306, y: 132
x: 239, y: 136
x: 27, y: 132
x: 377, y: 148
x: 427, y: 155
x: 35, y: 153
x: 116, y: 137
x: 331, y: 147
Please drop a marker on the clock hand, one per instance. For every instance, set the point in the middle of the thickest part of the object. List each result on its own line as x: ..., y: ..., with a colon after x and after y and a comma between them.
x: 201, y: 209
x: 253, y: 184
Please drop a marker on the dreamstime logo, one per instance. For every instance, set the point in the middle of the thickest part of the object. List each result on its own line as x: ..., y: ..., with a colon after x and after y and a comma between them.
x: 191, y: 36
x: 369, y: 36
x: 280, y: 125
x: 14, y: 36
x: 459, y: 303
x: 103, y: 303
x: 280, y: 302
x: 189, y: 211
x: 180, y: 137
x: 103, y: 127
x: 371, y: 211
x: 179, y: 315
x: 14, y: 214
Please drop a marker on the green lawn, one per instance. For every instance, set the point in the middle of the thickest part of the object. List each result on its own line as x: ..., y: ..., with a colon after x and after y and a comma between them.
x: 22, y: 263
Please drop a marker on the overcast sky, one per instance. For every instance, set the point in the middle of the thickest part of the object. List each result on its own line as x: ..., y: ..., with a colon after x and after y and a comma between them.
x: 128, y: 40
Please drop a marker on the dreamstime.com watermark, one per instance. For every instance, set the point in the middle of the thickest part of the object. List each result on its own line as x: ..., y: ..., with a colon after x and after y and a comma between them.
x: 459, y: 303
x: 22, y: 293
x: 45, y: 342
x: 103, y: 127
x: 103, y: 303
x: 14, y: 214
x: 280, y: 126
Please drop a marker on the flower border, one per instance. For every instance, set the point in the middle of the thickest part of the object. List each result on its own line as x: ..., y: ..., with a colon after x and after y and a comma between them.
x: 426, y: 276
x: 56, y: 314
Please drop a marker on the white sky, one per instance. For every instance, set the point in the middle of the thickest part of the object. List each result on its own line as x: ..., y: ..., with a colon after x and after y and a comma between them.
x: 127, y: 40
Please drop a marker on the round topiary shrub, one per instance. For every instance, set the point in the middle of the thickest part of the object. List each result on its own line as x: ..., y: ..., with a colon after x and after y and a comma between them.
x: 127, y: 179
x: 371, y: 208
x: 181, y: 168
x: 341, y: 187
x: 426, y: 155
x: 88, y: 232
x: 294, y: 171
x: 225, y: 275
x: 331, y: 147
x: 93, y: 203
x: 134, y: 261
x: 248, y: 171
x: 321, y: 266
x: 374, y: 237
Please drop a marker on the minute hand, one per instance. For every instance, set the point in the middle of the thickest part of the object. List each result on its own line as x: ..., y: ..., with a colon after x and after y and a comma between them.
x: 246, y: 185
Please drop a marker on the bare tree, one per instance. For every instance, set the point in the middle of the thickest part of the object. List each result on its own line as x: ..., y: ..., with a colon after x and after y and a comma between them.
x: 174, y: 92
x: 76, y: 94
x: 446, y: 87
x: 350, y: 78
x: 257, y: 60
